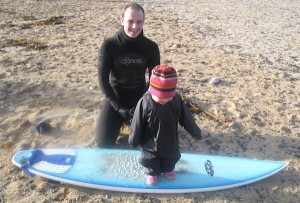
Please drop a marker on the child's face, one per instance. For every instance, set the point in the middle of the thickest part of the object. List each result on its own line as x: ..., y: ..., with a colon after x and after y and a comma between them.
x: 159, y: 100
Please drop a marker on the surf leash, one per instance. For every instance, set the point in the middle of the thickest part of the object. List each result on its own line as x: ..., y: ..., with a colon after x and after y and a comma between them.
x: 24, y: 166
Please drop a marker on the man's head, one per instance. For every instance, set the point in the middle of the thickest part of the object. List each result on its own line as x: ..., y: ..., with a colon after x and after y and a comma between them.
x: 133, y: 20
x: 163, y: 83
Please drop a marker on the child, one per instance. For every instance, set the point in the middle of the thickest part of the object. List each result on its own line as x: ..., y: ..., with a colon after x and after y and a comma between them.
x: 154, y: 126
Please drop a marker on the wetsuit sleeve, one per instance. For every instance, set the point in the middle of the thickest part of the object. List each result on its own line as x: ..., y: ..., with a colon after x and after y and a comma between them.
x: 155, y: 60
x: 104, y: 65
x: 137, y: 125
x: 187, y: 121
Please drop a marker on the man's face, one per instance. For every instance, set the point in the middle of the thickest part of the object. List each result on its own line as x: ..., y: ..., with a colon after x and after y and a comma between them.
x: 133, y: 22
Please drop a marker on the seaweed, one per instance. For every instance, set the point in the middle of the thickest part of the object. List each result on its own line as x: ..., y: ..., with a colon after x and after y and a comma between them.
x: 54, y: 20
x: 27, y: 18
x: 195, y: 108
x: 35, y: 45
x: 24, y: 124
x: 6, y: 11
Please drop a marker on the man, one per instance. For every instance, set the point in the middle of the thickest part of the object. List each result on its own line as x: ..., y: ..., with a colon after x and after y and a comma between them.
x: 122, y: 63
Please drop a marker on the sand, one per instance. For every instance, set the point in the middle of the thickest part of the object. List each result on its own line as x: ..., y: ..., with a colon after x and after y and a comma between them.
x: 48, y: 72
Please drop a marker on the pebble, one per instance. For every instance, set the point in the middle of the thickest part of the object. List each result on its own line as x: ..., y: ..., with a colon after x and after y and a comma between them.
x: 215, y: 80
x: 32, y: 186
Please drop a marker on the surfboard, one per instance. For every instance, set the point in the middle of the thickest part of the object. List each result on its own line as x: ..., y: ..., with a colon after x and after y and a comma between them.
x: 119, y: 170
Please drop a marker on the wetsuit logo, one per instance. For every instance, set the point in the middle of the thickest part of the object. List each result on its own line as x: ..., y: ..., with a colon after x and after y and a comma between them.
x: 127, y: 61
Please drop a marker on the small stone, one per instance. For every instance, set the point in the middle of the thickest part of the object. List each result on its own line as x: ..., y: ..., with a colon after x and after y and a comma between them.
x: 215, y: 80
x: 32, y: 186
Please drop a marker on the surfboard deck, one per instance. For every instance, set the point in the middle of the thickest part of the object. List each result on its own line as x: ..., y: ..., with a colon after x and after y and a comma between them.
x: 119, y: 170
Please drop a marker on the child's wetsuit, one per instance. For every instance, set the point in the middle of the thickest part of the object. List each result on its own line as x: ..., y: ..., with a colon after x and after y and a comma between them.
x: 154, y: 129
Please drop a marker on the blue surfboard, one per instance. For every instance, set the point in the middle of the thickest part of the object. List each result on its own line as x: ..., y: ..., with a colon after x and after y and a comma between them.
x: 119, y: 170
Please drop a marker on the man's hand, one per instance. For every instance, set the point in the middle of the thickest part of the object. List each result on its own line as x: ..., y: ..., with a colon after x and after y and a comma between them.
x: 124, y: 113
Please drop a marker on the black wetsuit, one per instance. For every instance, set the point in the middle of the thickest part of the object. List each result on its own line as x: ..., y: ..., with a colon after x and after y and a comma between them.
x: 154, y: 129
x: 122, y: 64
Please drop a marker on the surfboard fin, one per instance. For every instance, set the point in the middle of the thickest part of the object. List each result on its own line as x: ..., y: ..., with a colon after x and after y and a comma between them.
x: 24, y: 166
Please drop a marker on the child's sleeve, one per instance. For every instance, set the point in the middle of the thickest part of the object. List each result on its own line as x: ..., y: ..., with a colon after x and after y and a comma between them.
x: 187, y: 121
x: 136, y: 129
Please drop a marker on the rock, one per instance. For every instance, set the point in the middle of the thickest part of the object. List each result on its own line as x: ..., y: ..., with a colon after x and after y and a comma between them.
x: 215, y: 80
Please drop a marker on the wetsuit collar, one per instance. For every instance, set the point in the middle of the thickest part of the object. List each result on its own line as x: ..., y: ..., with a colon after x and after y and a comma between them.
x: 125, y: 37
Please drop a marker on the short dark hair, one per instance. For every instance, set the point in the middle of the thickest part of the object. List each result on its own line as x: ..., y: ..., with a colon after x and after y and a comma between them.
x: 135, y: 6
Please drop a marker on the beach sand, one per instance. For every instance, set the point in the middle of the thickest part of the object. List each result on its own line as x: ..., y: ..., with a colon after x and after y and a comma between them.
x: 48, y: 72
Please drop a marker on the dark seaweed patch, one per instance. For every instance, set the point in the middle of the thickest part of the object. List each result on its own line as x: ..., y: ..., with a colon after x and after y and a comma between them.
x: 35, y: 45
